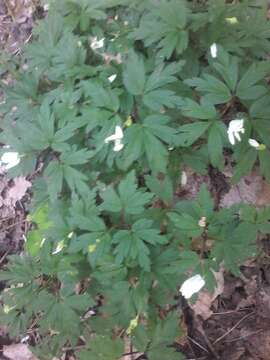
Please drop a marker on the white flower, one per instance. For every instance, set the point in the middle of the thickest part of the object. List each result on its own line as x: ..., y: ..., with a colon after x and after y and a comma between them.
x: 97, y: 44
x: 213, y: 50
x: 10, y: 159
x: 60, y: 246
x: 118, y: 145
x: 202, y: 222
x: 253, y: 143
x: 236, y: 127
x: 184, y: 178
x: 192, y: 286
x: 112, y: 78
x: 232, y: 20
x: 117, y: 138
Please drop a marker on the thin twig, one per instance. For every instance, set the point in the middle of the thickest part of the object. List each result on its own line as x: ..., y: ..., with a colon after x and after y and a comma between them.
x: 198, y: 344
x: 209, y: 344
x: 229, y: 331
x: 244, y: 336
x: 230, y: 311
x: 11, y: 226
x: 4, y: 256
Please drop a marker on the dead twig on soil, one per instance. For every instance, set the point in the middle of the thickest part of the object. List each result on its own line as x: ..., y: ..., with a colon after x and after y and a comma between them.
x: 208, y: 342
x: 235, y: 326
x: 244, y: 336
x: 4, y: 256
x: 198, y: 344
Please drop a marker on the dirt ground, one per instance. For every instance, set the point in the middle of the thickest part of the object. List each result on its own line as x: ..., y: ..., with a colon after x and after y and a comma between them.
x: 232, y: 324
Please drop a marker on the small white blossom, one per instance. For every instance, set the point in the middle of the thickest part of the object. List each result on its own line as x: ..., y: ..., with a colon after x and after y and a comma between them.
x: 192, y: 286
x: 202, y: 222
x: 232, y: 20
x: 117, y: 138
x: 254, y: 143
x: 118, y: 145
x: 10, y: 159
x: 213, y: 50
x: 60, y: 246
x: 236, y: 127
x: 184, y: 178
x: 112, y: 78
x: 97, y: 44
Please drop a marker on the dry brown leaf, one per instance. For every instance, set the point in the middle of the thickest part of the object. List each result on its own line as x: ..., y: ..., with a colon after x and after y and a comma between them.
x: 18, y: 190
x: 245, y: 191
x: 204, y: 302
x: 263, y: 197
x: 18, y: 352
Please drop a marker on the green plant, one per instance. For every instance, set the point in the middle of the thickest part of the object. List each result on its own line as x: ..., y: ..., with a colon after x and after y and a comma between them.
x: 117, y: 97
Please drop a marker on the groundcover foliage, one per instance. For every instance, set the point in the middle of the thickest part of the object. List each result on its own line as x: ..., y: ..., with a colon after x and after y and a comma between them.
x: 115, y: 98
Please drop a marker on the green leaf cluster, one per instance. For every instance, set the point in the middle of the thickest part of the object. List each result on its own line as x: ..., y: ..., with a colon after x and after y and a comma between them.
x: 111, y: 238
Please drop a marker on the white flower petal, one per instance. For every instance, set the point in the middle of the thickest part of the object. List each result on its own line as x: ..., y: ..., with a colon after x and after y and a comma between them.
x: 119, y: 132
x: 236, y: 127
x: 237, y: 135
x: 97, y: 44
x: 10, y: 159
x: 110, y: 138
x: 112, y: 78
x: 192, y: 286
x: 183, y: 178
x: 231, y: 137
x: 118, y: 145
x: 213, y: 50
x: 254, y: 143
x: 60, y: 246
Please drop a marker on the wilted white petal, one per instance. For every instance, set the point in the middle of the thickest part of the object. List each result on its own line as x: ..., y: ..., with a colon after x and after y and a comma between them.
x: 253, y: 143
x: 112, y: 78
x: 192, y: 286
x: 10, y: 159
x: 213, y: 50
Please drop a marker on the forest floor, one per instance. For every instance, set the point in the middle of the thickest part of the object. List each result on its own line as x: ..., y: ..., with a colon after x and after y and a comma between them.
x: 231, y: 324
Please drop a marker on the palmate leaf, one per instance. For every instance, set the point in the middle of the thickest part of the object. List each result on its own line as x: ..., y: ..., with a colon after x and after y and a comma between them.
x: 55, y: 174
x: 148, y: 138
x: 103, y: 348
x: 101, y: 97
x: 186, y: 223
x: 215, y: 145
x: 213, y: 89
x: 84, y: 213
x: 203, y: 111
x: 189, y: 133
x: 129, y: 198
x: 164, y: 26
x: 247, y: 88
x: 131, y: 244
x: 134, y: 74
x: 235, y: 245
x: 152, y: 88
x: 158, y: 338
